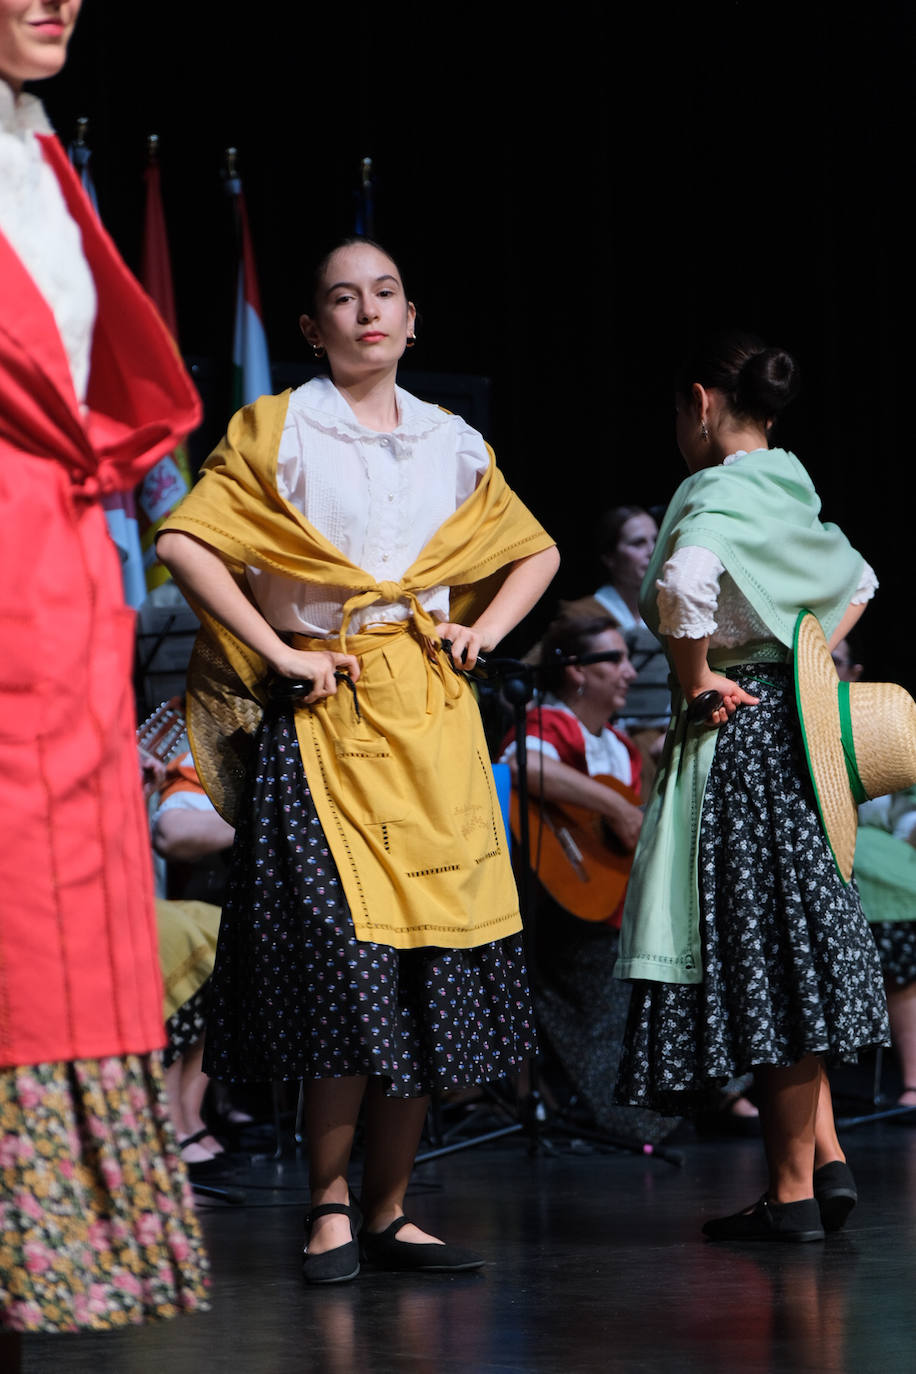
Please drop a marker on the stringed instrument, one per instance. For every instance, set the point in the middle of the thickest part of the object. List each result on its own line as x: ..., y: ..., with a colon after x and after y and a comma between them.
x: 164, y: 733
x: 575, y: 855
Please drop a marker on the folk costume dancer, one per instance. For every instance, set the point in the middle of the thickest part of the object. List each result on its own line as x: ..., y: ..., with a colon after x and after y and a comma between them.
x: 350, y: 529
x: 746, y: 947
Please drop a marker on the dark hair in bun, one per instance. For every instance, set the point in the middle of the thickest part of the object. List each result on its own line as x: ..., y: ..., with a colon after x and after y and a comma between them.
x: 758, y: 382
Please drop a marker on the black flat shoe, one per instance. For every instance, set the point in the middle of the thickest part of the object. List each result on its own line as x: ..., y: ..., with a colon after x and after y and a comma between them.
x: 785, y: 1221
x: 342, y: 1263
x: 383, y: 1250
x: 835, y: 1193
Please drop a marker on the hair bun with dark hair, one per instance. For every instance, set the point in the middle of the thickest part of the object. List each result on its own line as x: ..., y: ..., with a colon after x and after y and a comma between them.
x: 767, y: 382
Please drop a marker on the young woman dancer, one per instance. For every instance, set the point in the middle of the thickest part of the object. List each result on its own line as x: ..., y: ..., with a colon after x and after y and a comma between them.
x: 748, y: 950
x: 353, y: 536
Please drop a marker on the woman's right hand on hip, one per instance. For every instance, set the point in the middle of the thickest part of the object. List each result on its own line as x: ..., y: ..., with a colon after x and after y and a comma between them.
x: 318, y: 666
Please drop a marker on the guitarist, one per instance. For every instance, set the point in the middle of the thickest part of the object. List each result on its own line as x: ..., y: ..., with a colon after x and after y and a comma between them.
x: 569, y: 734
x: 580, y: 1007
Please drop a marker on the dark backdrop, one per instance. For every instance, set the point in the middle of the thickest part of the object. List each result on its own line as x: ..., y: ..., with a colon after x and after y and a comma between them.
x: 571, y: 194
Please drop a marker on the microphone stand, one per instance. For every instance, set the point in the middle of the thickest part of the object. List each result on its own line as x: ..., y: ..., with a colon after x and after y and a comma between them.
x: 519, y: 681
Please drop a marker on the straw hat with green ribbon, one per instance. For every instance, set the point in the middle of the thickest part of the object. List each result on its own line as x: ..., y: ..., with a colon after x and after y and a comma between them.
x: 860, y: 738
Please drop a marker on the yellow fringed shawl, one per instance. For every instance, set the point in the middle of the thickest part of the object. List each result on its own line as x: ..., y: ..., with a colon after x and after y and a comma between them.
x: 405, y: 794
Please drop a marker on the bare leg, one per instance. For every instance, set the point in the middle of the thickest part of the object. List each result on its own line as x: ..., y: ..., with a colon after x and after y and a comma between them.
x: 826, y: 1145
x: 901, y: 1008
x: 173, y: 1096
x: 331, y: 1111
x: 789, y: 1105
x: 393, y: 1129
x: 194, y: 1084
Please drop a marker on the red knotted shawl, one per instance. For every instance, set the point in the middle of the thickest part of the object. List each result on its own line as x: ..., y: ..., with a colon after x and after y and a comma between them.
x: 79, y: 971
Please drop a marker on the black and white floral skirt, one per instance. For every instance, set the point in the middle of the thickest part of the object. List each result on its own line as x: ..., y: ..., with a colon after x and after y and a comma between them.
x: 790, y: 966
x: 294, y: 994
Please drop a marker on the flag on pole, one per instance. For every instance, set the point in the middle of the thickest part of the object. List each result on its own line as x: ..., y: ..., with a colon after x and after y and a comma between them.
x: 119, y: 506
x: 364, y: 219
x: 164, y: 485
x: 250, y: 358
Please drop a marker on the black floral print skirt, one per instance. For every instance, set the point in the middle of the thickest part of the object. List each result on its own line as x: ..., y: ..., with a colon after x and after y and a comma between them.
x: 185, y: 1026
x: 294, y: 994
x: 97, y: 1228
x: 896, y: 941
x: 790, y: 966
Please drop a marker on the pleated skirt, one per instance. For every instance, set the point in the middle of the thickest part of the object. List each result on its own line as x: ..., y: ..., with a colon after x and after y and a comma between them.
x: 790, y: 966
x: 294, y: 994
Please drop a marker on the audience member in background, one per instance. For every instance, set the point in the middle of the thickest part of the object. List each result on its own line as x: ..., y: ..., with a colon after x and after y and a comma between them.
x: 625, y: 541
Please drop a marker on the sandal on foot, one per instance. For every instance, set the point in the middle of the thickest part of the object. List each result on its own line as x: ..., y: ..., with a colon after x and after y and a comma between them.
x: 835, y: 1193
x: 383, y: 1250
x: 342, y: 1263
x: 785, y: 1221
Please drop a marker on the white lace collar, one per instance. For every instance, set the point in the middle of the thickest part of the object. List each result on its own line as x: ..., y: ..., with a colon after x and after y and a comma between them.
x: 22, y: 115
x: 322, y: 405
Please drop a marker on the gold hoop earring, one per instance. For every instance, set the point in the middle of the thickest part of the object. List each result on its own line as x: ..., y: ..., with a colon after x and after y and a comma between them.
x: 317, y: 352
x: 411, y: 340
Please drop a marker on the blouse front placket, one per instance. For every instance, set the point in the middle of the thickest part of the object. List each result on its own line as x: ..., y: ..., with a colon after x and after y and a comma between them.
x: 386, y: 551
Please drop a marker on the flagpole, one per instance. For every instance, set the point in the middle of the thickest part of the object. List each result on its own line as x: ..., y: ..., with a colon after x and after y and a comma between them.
x: 170, y: 480
x: 250, y: 358
x: 365, y: 211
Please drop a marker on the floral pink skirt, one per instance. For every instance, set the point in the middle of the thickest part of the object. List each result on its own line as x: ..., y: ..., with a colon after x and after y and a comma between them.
x: 97, y: 1228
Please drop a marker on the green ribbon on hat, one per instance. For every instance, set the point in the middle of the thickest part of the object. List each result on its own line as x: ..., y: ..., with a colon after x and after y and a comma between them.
x: 849, y: 748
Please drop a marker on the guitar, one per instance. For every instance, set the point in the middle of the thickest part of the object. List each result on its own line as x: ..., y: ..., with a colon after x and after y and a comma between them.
x: 575, y: 854
x: 164, y: 733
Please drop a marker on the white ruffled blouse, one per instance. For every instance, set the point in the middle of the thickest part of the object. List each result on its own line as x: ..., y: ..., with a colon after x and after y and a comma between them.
x: 38, y: 226
x: 378, y: 497
x: 697, y: 597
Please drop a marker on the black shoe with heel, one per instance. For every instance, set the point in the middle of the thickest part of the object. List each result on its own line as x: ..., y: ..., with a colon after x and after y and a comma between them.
x: 835, y: 1193
x: 342, y: 1263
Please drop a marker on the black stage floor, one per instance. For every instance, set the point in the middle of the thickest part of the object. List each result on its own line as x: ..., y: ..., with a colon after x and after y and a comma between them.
x: 596, y: 1263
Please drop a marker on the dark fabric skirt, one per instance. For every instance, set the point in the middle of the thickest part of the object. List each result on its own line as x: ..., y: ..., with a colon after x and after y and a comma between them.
x: 582, y: 1013
x: 294, y: 994
x: 186, y: 1026
x: 789, y: 964
x: 97, y: 1228
x: 896, y: 941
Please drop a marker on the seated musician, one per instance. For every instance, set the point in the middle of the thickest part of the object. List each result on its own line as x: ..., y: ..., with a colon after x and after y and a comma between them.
x: 581, y: 1008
